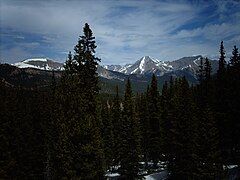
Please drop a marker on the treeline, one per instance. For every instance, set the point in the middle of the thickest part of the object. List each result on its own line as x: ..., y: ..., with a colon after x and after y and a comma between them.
x: 193, y: 129
x: 69, y: 132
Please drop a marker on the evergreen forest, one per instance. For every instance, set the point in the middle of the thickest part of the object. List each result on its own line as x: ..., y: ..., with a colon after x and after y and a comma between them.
x: 69, y: 131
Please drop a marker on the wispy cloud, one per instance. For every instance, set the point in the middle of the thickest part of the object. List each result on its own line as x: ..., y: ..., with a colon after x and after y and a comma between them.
x: 124, y: 30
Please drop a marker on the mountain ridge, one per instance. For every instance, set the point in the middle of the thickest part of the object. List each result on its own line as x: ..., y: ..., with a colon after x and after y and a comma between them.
x: 144, y: 67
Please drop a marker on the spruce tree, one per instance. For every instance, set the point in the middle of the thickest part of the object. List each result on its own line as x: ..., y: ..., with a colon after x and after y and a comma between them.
x: 80, y: 144
x: 207, y: 84
x: 116, y: 116
x: 130, y: 136
x: 7, y: 161
x: 154, y: 121
x: 164, y: 104
x: 234, y: 60
x: 107, y: 135
x: 209, y: 164
x: 182, y: 159
x: 208, y: 151
x: 221, y: 105
x: 200, y: 71
x: 207, y: 69
x: 143, y: 116
x: 233, y: 97
x: 222, y: 61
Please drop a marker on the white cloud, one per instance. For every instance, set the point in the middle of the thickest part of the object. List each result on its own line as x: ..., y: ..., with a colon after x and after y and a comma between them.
x: 124, y: 29
x: 211, y: 31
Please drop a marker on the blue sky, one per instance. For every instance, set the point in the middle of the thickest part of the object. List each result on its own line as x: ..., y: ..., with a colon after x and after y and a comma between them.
x: 125, y: 30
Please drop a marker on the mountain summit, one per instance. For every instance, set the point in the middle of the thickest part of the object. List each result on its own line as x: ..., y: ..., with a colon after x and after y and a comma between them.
x: 145, y: 66
x: 40, y: 63
x: 149, y: 65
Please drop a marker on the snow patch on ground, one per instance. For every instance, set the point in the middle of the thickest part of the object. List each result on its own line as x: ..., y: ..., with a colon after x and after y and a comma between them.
x: 157, y: 176
x: 229, y: 166
x: 112, y: 174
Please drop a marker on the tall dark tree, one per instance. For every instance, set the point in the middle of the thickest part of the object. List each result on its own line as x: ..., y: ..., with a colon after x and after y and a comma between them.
x: 234, y: 60
x: 182, y: 159
x: 207, y: 84
x: 207, y: 70
x: 48, y: 109
x: 221, y: 86
x: 201, y: 71
x: 116, y: 116
x: 80, y: 144
x: 130, y: 135
x: 201, y: 82
x: 143, y: 116
x: 107, y: 134
x: 165, y: 123
x: 208, y: 151
x: 233, y: 104
x: 222, y: 62
x: 154, y: 121
x: 209, y: 165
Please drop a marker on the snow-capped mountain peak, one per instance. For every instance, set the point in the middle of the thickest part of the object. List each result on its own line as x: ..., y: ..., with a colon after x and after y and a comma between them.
x: 144, y: 65
x: 47, y: 64
x: 149, y: 65
x: 39, y: 63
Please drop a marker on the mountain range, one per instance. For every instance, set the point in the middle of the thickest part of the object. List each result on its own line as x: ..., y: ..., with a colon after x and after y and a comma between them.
x: 144, y: 66
x: 37, y: 71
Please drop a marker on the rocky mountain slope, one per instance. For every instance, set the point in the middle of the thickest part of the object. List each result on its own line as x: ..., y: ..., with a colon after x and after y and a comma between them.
x: 37, y: 72
x: 143, y: 67
x: 40, y: 63
x: 148, y: 65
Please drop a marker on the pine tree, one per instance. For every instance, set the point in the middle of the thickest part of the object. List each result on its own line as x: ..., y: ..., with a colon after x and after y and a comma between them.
x: 234, y: 60
x: 200, y: 71
x: 130, y: 150
x: 7, y: 161
x: 107, y: 135
x: 154, y: 121
x: 209, y: 165
x: 233, y: 99
x: 207, y: 84
x: 222, y: 62
x: 143, y: 116
x: 221, y: 85
x: 182, y: 159
x: 50, y: 130
x: 68, y: 67
x: 80, y: 143
x: 116, y: 116
x: 207, y: 70
x: 201, y: 82
x: 164, y: 140
x: 208, y: 152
